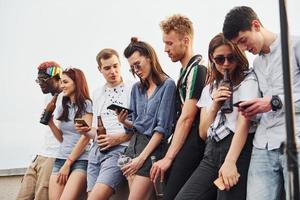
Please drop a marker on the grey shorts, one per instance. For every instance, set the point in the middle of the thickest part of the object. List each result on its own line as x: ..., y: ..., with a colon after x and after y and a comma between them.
x: 102, y: 168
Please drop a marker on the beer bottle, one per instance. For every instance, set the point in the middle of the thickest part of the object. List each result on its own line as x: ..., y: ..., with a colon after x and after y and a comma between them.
x: 101, y: 131
x: 227, y: 106
x: 49, y: 110
x: 158, y: 185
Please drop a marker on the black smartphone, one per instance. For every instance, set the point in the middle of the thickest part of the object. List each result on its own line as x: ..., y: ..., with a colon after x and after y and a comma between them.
x: 237, y: 104
x: 119, y: 108
x: 80, y: 121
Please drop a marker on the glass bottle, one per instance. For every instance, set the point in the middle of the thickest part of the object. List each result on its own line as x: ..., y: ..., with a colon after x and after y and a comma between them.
x: 101, y: 130
x: 158, y: 185
x: 49, y: 110
x: 227, y: 106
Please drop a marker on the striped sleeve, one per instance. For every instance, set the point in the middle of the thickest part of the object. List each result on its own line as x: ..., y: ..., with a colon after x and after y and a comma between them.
x: 196, y: 82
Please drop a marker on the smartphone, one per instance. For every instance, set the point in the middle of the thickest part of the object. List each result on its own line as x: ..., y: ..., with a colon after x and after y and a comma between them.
x: 219, y: 183
x: 237, y: 104
x: 81, y: 121
x: 119, y: 108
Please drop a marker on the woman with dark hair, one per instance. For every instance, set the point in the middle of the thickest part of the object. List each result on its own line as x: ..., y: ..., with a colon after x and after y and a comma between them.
x: 69, y: 171
x: 229, y: 144
x: 153, y: 105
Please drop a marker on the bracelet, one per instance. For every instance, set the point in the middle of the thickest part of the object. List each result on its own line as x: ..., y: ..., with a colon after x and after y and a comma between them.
x: 69, y: 159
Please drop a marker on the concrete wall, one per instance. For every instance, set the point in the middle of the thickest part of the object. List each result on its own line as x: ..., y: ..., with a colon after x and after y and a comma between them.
x: 9, y: 187
x: 10, y: 182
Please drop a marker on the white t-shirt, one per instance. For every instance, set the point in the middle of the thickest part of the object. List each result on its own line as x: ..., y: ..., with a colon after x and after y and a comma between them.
x: 50, y: 146
x: 106, y: 96
x: 246, y: 90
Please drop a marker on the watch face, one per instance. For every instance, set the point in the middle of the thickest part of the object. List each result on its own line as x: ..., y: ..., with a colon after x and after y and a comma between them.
x: 275, y: 102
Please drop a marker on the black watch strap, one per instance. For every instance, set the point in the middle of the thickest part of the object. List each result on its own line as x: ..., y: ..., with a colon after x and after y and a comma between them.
x: 276, y: 103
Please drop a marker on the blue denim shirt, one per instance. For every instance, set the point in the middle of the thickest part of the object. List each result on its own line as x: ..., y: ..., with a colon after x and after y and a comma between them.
x: 156, y: 113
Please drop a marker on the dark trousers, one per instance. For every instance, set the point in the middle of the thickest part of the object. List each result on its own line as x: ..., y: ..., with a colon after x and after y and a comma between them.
x: 200, y: 186
x: 186, y: 161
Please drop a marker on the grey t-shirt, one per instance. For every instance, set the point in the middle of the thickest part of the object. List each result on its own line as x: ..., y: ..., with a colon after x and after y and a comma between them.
x: 70, y: 135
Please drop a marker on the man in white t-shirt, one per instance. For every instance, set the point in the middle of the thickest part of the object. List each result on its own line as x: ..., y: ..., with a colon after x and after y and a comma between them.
x: 36, y: 179
x: 103, y: 174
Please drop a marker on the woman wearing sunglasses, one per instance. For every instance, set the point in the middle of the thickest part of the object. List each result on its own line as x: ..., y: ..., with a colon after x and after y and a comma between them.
x: 68, y: 177
x: 153, y: 104
x: 229, y: 143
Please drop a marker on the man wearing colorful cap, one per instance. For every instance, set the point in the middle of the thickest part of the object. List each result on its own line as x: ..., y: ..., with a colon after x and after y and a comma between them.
x: 36, y: 179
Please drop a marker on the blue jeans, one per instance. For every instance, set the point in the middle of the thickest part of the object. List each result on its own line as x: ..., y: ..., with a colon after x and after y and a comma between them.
x: 267, y: 175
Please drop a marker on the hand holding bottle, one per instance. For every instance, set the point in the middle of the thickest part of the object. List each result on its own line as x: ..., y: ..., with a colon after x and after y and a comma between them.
x: 158, y: 184
x: 227, y: 106
x: 47, y: 114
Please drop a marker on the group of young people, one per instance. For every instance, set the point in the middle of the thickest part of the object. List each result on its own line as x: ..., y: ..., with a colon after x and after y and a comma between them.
x: 181, y: 124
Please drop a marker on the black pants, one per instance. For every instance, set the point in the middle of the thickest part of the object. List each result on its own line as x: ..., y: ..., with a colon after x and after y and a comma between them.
x: 186, y: 161
x: 200, y: 186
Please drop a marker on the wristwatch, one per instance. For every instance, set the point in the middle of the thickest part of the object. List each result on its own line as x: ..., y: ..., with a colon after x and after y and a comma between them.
x: 276, y: 103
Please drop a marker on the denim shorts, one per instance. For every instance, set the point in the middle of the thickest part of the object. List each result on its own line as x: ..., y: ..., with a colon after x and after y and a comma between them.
x: 102, y: 167
x: 78, y: 165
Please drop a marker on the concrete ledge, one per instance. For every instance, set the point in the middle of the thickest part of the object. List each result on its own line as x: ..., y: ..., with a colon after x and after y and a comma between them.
x: 10, y: 182
x: 12, y: 172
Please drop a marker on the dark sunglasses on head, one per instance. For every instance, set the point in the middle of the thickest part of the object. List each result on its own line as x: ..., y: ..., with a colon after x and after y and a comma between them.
x: 220, y: 60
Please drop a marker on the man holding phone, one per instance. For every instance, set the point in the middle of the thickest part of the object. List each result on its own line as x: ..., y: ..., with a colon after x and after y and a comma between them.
x: 268, y: 168
x: 103, y: 173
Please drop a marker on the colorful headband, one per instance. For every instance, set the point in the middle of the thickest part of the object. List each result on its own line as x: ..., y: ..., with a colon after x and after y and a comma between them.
x: 53, y: 71
x: 50, y: 68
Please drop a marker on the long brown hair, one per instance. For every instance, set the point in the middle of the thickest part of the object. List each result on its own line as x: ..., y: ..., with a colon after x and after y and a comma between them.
x: 81, y: 94
x: 157, y: 74
x: 242, y: 62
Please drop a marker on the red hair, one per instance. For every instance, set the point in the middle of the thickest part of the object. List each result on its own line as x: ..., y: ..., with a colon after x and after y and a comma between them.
x: 48, y: 64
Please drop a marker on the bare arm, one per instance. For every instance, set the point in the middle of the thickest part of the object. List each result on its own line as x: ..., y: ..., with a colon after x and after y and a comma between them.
x: 207, y: 117
x: 56, y: 131
x: 228, y: 169
x: 183, y: 127
x: 208, y: 114
x: 76, y: 152
x: 138, y: 162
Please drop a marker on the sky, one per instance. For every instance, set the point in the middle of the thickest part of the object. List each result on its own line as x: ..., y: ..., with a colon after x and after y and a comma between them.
x: 72, y: 32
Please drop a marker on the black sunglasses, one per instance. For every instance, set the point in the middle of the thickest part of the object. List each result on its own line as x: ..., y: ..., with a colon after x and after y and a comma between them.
x: 220, y: 60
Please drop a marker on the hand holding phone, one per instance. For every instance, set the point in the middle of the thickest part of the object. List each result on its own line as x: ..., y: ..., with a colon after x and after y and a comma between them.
x: 81, y: 121
x: 237, y: 104
x: 219, y: 183
x: 115, y: 107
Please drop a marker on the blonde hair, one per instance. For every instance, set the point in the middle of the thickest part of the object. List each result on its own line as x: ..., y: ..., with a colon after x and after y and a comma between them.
x: 178, y: 23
